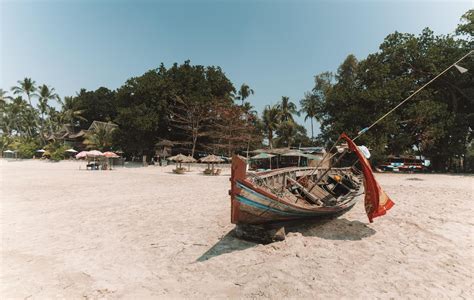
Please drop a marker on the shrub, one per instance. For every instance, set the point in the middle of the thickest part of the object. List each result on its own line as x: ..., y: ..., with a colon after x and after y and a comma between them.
x: 57, y: 151
x: 26, y: 148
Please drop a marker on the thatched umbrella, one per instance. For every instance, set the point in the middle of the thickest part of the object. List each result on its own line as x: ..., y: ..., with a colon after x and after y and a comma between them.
x: 211, y: 159
x: 180, y: 158
x: 165, y: 143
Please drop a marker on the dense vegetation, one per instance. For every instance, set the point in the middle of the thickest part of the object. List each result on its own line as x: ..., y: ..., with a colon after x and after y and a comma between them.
x: 437, y: 122
x: 199, y: 108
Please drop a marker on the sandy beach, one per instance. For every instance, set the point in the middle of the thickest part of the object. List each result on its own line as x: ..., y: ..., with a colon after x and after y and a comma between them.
x: 138, y: 233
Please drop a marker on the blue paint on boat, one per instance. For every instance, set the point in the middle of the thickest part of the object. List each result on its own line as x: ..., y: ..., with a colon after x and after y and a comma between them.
x: 249, y: 202
x: 271, y: 200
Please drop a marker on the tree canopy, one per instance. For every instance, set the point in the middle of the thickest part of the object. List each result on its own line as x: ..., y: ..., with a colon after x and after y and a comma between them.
x: 194, y: 106
x: 436, y: 123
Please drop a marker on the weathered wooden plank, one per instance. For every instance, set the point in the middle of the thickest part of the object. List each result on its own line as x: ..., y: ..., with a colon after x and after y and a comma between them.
x: 313, y: 199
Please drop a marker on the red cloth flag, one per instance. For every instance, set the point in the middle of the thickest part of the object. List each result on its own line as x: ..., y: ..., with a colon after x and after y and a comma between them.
x: 376, y: 200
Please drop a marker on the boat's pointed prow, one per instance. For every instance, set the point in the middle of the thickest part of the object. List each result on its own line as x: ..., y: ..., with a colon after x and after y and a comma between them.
x: 238, y: 173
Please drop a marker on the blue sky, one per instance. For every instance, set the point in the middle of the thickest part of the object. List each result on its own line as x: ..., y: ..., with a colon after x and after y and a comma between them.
x: 276, y: 47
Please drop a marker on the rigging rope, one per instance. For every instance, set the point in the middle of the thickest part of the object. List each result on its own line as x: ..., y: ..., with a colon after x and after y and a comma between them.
x: 361, y: 132
x: 409, y: 97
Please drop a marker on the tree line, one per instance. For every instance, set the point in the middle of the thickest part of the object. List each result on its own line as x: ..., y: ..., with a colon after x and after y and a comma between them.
x: 199, y: 109
x: 436, y: 123
x: 195, y: 107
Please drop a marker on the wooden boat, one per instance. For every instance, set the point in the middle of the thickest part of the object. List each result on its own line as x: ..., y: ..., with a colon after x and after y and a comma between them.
x: 261, y: 200
x: 290, y: 194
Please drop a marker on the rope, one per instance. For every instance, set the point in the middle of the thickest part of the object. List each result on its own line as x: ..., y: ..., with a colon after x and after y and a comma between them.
x: 377, y: 121
x: 409, y: 97
x: 321, y: 161
x: 361, y: 132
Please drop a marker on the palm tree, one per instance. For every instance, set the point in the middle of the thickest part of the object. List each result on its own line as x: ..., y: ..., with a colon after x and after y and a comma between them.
x: 27, y: 86
x: 249, y: 110
x: 287, y: 109
x: 100, y: 137
x: 69, y: 113
x: 45, y: 94
x: 6, y: 119
x: 21, y: 117
x: 244, y: 92
x: 287, y: 131
x: 309, y: 105
x: 270, y: 121
x: 4, y: 97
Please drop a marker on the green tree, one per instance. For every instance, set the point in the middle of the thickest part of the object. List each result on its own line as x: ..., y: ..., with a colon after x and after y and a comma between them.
x: 435, y: 121
x: 244, y: 92
x: 309, y: 106
x: 270, y: 119
x: 290, y: 133
x: 286, y: 109
x: 69, y: 113
x: 44, y: 95
x: 142, y: 106
x: 98, y: 105
x: 4, y: 97
x: 27, y: 87
x: 101, y: 137
x: 466, y: 27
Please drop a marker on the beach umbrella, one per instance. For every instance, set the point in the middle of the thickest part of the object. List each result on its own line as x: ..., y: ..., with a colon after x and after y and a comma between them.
x: 109, y: 154
x: 94, y: 153
x: 71, y: 150
x: 165, y: 143
x: 81, y: 154
x: 180, y: 158
x: 211, y: 159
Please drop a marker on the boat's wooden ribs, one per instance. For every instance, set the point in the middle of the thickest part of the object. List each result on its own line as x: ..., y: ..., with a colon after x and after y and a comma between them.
x: 278, y: 178
x: 309, y: 196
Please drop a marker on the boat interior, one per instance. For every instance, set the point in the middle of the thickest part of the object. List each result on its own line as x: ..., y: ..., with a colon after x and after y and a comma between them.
x: 309, y: 186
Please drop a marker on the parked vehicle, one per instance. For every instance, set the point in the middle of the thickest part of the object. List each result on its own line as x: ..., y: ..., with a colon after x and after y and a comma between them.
x: 406, y: 163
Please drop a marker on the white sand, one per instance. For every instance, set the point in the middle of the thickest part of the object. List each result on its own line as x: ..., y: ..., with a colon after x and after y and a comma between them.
x: 146, y: 233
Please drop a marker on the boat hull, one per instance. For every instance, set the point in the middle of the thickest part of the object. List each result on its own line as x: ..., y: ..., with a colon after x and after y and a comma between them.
x: 254, y: 205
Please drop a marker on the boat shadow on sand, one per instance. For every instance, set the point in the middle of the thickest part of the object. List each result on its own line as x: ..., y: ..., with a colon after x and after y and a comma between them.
x: 329, y: 229
x: 227, y: 244
x: 335, y: 229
